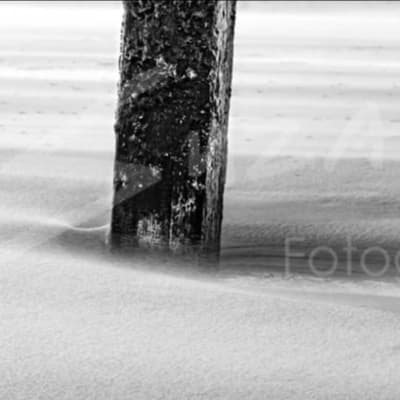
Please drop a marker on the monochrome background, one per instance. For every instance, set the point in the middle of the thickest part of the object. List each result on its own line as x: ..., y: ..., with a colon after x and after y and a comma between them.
x: 314, y: 151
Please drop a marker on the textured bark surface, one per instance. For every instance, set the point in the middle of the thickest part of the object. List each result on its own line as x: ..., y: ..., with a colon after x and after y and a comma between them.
x: 171, y: 124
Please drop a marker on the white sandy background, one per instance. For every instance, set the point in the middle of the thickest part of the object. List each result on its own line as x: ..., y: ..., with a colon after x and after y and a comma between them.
x: 314, y: 153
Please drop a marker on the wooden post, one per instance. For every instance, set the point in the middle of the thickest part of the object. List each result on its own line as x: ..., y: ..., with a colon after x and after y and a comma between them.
x: 171, y: 124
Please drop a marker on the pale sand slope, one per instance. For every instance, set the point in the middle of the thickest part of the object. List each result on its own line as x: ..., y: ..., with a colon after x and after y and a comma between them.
x: 78, y: 323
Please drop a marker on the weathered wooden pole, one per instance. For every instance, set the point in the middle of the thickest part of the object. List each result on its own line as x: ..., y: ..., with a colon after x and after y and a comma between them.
x: 171, y: 124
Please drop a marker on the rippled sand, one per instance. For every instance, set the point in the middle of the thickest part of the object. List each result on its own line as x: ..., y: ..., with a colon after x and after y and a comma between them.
x: 314, y: 154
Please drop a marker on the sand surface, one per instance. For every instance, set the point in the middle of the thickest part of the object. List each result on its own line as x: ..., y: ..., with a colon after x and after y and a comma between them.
x: 314, y: 154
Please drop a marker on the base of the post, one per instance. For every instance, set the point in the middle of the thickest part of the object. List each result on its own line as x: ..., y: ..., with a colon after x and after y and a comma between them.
x: 194, y: 255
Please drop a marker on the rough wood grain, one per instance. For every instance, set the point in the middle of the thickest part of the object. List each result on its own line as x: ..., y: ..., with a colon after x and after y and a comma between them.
x: 171, y: 124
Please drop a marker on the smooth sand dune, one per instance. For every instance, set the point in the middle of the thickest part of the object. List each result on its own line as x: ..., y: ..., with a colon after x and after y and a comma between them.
x: 314, y: 153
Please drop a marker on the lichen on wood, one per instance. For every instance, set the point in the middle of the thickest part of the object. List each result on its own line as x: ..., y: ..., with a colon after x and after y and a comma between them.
x: 171, y: 124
